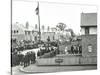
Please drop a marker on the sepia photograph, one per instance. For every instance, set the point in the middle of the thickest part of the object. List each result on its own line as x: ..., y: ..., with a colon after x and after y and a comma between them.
x: 49, y: 37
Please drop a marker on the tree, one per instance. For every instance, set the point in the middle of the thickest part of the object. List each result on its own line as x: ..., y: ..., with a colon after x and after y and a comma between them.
x: 71, y: 32
x: 61, y: 26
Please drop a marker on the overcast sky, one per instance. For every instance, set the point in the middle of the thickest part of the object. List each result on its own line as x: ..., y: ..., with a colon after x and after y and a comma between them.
x: 50, y: 13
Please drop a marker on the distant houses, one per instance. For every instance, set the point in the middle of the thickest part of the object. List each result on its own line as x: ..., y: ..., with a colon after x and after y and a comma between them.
x: 21, y: 32
x: 46, y: 35
x: 31, y: 33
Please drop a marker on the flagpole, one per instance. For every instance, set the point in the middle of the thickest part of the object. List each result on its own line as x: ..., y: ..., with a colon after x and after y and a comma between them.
x: 39, y: 23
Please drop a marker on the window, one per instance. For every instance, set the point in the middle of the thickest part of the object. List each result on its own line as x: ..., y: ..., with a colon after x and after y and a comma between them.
x: 35, y: 38
x: 32, y: 32
x: 28, y: 32
x: 36, y: 26
x: 43, y: 27
x: 25, y: 32
x: 53, y: 38
x: 14, y: 31
x: 48, y: 39
x: 87, y: 30
x: 48, y: 28
x: 89, y: 48
x: 17, y: 31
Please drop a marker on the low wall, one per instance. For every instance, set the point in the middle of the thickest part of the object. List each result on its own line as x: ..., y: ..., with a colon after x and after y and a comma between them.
x: 88, y: 60
x: 67, y: 60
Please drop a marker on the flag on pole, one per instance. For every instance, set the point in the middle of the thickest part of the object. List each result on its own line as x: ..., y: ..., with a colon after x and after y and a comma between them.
x: 37, y: 9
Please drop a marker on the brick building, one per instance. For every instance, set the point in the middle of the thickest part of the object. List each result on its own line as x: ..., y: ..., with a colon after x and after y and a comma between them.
x: 89, y: 36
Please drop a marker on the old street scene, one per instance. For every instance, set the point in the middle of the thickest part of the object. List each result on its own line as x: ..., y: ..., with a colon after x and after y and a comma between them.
x: 52, y: 37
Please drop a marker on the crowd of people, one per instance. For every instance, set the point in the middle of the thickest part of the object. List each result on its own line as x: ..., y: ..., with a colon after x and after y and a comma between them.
x: 52, y: 51
x: 75, y: 49
x: 49, y: 50
x: 20, y: 59
x: 24, y: 60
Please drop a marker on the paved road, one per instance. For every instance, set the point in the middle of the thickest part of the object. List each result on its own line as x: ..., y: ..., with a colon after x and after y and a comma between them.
x: 16, y: 71
x: 41, y: 69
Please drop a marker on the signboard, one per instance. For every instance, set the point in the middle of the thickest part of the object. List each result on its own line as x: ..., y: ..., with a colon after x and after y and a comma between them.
x: 58, y: 60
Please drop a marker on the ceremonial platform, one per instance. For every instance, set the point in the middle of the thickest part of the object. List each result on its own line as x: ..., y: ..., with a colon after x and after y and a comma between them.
x: 63, y: 59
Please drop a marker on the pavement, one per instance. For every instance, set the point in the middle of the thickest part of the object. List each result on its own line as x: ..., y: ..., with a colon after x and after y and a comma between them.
x: 16, y: 71
x: 48, y: 69
x: 33, y: 69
